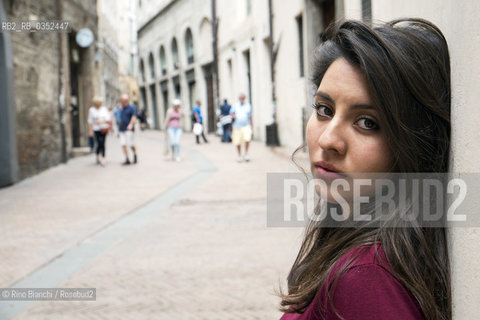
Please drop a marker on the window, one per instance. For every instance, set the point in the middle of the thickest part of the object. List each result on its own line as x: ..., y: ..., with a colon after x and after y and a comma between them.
x: 163, y: 61
x: 175, y: 61
x: 249, y: 7
x: 246, y: 56
x: 367, y: 10
x: 132, y: 63
x: 300, y: 44
x: 142, y: 70
x: 151, y: 65
x: 189, y: 46
x: 328, y: 9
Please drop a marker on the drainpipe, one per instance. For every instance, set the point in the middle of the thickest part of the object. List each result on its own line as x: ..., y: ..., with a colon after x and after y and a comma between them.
x: 272, y: 132
x: 272, y: 63
x: 215, y: 52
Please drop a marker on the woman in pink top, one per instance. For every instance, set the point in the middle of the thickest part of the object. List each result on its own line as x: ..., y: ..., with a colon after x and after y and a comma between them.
x: 382, y: 107
x: 173, y: 123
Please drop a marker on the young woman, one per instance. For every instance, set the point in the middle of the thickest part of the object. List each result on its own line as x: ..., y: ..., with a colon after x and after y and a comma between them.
x: 382, y: 105
x: 173, y: 123
x: 99, y: 123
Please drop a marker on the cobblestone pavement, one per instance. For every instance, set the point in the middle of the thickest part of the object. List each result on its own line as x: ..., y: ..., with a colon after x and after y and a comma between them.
x: 206, y: 255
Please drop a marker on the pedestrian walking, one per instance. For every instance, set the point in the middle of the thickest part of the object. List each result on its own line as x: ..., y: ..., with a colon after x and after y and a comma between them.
x: 142, y: 117
x: 382, y: 105
x: 241, y: 113
x: 199, y: 130
x: 126, y: 128
x: 99, y: 123
x: 174, y: 125
x: 226, y: 121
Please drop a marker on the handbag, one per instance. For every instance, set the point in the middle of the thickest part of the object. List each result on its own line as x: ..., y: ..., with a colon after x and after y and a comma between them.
x: 197, y: 129
x: 226, y: 120
x: 106, y: 129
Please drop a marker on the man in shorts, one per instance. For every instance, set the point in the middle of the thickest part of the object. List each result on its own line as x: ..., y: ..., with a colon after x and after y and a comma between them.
x: 126, y: 128
x: 241, y: 113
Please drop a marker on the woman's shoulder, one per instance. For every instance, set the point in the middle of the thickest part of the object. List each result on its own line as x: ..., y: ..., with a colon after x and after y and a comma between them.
x: 364, y: 255
x: 362, y: 286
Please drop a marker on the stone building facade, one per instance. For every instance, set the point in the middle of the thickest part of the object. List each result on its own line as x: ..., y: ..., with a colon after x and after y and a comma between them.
x: 125, y: 26
x: 175, y: 53
x: 108, y: 48
x: 111, y: 83
x: 53, y: 82
x: 296, y: 27
x: 118, y: 45
x: 244, y: 58
x: 245, y: 61
x: 243, y: 42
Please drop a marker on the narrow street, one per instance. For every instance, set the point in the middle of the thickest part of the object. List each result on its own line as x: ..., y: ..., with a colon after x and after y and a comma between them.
x: 158, y: 240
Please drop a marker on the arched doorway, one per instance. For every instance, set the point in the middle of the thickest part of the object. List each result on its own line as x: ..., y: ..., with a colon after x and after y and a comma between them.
x: 8, y: 121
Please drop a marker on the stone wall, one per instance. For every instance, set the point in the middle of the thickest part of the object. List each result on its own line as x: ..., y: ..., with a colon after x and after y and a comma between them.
x: 36, y: 60
x: 37, y: 65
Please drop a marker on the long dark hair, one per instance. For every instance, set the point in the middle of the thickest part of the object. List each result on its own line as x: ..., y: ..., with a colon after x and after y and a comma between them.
x: 406, y: 65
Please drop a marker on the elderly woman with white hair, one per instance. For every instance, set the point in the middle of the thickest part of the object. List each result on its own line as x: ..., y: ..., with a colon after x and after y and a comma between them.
x: 99, y: 122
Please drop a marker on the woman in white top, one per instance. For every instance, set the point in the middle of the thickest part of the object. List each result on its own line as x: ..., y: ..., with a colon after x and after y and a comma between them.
x: 99, y: 122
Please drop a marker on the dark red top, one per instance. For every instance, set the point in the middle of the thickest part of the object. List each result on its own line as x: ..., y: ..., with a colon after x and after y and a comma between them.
x: 366, y: 291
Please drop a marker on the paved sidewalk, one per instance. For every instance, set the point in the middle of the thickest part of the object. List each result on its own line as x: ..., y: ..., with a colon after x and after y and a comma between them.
x: 158, y: 240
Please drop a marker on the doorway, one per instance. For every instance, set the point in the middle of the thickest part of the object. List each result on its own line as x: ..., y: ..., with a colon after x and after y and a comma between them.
x: 75, y: 63
x: 164, y: 88
x: 208, y: 74
x: 143, y: 96
x: 176, y: 87
x: 153, y: 95
x: 246, y: 55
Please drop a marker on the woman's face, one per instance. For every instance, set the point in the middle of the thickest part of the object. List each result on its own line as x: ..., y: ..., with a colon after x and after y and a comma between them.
x: 344, y: 135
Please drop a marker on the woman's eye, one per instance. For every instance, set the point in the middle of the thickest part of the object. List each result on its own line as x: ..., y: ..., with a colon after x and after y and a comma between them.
x: 367, y: 124
x: 323, y: 110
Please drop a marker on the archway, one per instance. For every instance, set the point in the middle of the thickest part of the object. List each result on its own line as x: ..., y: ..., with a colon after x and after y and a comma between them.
x: 8, y: 120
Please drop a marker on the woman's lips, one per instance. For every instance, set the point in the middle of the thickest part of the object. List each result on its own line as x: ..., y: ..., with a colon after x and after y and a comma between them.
x: 327, y: 171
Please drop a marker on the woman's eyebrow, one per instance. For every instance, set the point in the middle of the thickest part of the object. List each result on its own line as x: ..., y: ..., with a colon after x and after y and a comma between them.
x: 352, y: 107
x: 324, y: 96
x: 361, y: 106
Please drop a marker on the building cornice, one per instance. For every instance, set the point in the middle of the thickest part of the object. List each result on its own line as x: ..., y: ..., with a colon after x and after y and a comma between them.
x: 151, y: 20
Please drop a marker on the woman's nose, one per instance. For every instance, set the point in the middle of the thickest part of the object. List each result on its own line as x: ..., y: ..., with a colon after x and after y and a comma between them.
x: 333, y: 138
